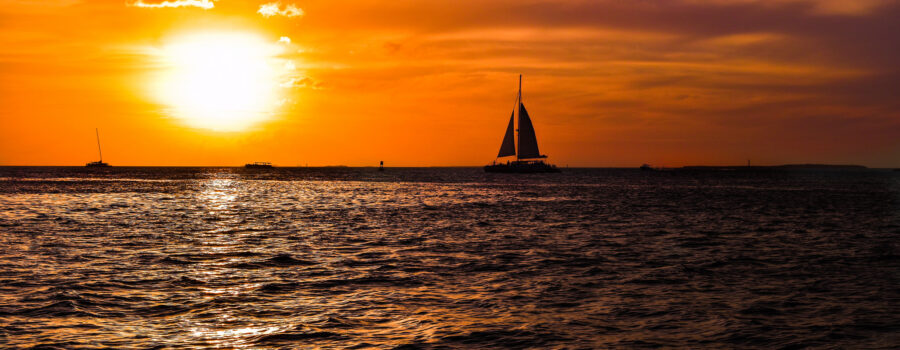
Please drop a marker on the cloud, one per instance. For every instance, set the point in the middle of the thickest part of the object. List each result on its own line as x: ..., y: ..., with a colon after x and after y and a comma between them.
x: 819, y: 7
x: 285, y: 40
x: 274, y: 9
x: 304, y: 82
x: 204, y: 4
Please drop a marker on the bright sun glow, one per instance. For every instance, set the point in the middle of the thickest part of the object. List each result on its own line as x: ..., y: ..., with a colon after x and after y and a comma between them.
x: 221, y: 81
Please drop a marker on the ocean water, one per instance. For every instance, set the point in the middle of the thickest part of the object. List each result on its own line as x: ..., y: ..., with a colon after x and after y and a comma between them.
x: 448, y: 258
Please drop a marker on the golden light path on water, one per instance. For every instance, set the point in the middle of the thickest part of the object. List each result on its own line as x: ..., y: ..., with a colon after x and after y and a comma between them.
x: 223, y: 201
x: 218, y: 197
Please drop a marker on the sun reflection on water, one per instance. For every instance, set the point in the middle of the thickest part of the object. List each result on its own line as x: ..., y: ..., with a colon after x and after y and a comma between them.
x: 218, y: 194
x: 234, y: 337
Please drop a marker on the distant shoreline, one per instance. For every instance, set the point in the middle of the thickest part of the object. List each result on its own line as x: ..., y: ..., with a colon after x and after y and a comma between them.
x: 776, y: 167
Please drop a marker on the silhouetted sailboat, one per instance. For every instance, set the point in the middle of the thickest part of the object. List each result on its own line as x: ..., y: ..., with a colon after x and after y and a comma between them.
x: 100, y: 162
x: 528, y: 158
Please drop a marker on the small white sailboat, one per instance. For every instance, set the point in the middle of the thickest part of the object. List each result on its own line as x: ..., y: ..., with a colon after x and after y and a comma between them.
x: 528, y: 158
x: 100, y: 162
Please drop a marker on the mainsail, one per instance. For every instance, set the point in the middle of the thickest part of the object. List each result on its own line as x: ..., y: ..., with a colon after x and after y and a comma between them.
x: 508, y: 147
x: 528, y: 147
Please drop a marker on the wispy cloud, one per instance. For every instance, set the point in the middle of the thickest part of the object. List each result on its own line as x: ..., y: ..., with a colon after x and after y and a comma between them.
x: 275, y: 9
x: 819, y: 7
x: 204, y: 4
x: 304, y: 82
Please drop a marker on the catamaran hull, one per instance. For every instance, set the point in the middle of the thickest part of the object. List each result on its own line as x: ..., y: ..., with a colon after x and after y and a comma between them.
x: 521, y: 168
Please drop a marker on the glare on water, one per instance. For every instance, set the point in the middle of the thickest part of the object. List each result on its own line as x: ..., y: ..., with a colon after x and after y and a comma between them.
x: 446, y: 257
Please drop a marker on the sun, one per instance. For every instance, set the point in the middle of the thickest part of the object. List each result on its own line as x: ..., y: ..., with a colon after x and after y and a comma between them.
x: 221, y: 81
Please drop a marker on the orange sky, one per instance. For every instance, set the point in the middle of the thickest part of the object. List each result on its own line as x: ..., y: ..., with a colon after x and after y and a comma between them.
x: 423, y: 83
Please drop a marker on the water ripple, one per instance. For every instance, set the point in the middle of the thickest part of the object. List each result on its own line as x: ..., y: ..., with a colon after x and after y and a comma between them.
x: 447, y: 258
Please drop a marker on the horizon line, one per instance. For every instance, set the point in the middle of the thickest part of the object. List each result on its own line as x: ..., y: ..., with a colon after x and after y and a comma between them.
x: 476, y: 166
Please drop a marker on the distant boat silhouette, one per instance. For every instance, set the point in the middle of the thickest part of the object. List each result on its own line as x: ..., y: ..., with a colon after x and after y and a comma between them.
x: 381, y: 166
x: 528, y: 158
x: 258, y: 165
x: 646, y: 167
x: 100, y: 162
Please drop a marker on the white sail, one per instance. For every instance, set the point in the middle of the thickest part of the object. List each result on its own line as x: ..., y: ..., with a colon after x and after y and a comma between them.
x: 508, y: 147
x: 528, y: 147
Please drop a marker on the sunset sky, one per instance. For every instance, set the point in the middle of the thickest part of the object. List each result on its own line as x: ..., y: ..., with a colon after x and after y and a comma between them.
x: 432, y: 82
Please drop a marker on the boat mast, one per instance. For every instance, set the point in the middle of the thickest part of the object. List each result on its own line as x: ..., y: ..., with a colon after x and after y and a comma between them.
x: 97, y: 131
x: 518, y: 107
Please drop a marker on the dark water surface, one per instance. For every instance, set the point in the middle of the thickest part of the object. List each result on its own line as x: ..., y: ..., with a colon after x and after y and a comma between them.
x: 448, y: 258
